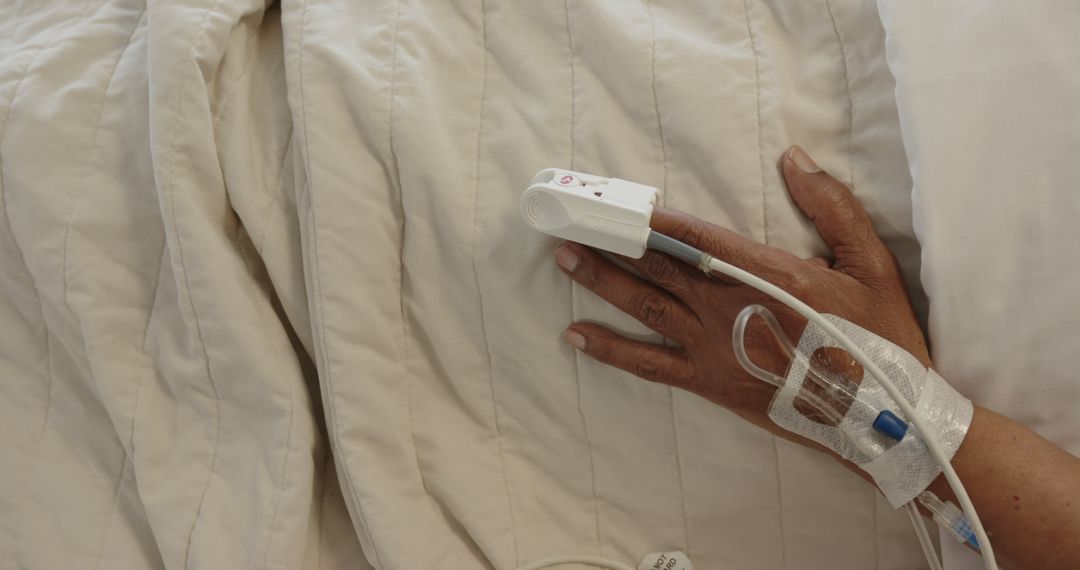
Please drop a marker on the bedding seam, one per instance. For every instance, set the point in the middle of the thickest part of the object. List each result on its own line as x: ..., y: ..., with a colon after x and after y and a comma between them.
x: 780, y: 500
x: 847, y: 91
x: 274, y: 198
x: 146, y: 367
x: 573, y: 289
x: 235, y: 87
x: 321, y: 540
x: 679, y: 470
x: 171, y: 162
x: 757, y: 111
x: 851, y: 182
x: 479, y: 288
x: 84, y: 172
x: 320, y: 301
x: 153, y: 302
x: 765, y: 231
x: 407, y: 378
x: 45, y: 45
x: 116, y: 500
x: 91, y: 153
x: 663, y: 200
x: 119, y: 482
x: 280, y: 491
x: 284, y: 475
x: 656, y: 100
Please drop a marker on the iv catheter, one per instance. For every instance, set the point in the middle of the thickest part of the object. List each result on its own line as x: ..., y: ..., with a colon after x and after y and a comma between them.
x: 613, y: 215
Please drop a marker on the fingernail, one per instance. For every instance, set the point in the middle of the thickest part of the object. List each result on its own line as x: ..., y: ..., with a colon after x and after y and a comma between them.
x: 566, y: 258
x: 574, y: 339
x: 803, y: 160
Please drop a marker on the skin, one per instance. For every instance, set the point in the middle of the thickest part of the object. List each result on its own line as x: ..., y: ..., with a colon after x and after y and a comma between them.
x: 1025, y: 489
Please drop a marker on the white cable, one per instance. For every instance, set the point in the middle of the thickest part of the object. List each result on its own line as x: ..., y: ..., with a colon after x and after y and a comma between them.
x: 989, y: 561
x: 597, y: 561
x: 924, y: 536
x: 614, y: 215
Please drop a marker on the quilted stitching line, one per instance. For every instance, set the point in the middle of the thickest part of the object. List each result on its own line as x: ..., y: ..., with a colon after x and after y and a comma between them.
x: 847, y: 92
x: 573, y: 287
x: 851, y: 175
x: 84, y: 172
x: 316, y: 281
x: 264, y: 232
x: 406, y: 377
x: 656, y: 99
x: 663, y: 197
x: 765, y: 229
x: 230, y: 96
x: 22, y: 257
x: 280, y: 491
x: 780, y: 496
x: 479, y: 288
x: 679, y: 470
x: 67, y: 230
x: 284, y: 474
x: 128, y: 460
x: 757, y: 111
x: 169, y: 188
x: 320, y: 542
x: 153, y: 302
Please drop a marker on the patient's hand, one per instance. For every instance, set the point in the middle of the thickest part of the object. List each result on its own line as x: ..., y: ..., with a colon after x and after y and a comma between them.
x: 1002, y: 463
x: 862, y: 283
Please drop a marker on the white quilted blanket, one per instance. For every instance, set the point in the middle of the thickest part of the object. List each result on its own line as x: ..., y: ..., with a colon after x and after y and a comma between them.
x: 265, y: 300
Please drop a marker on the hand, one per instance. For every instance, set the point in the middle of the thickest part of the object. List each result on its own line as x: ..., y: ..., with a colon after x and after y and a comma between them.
x: 862, y: 284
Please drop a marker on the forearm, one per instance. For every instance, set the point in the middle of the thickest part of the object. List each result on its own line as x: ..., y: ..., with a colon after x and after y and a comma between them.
x: 1025, y: 489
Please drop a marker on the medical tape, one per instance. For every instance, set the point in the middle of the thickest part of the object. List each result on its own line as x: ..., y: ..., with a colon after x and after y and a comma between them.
x: 901, y: 468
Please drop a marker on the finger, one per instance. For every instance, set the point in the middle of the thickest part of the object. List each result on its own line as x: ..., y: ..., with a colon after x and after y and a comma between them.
x: 819, y: 261
x: 654, y: 307
x: 839, y: 217
x: 677, y: 277
x: 767, y: 262
x: 653, y: 362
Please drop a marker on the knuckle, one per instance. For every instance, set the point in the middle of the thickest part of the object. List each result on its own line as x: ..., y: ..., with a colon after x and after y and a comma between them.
x: 838, y: 202
x: 692, y: 380
x: 648, y: 368
x: 600, y: 348
x: 836, y: 194
x: 662, y: 271
x: 798, y: 283
x: 653, y: 310
x: 587, y: 275
x: 879, y: 265
x: 882, y: 263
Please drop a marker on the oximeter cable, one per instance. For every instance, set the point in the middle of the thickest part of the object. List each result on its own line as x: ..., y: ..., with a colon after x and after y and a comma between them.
x: 710, y: 264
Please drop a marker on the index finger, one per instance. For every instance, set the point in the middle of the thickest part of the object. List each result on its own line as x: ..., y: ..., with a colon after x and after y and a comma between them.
x: 762, y: 260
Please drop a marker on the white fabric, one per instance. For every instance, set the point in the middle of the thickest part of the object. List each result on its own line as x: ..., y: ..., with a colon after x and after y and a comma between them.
x: 202, y: 201
x: 154, y: 409
x: 989, y: 99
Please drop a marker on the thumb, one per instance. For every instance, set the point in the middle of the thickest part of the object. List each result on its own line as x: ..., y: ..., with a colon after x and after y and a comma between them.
x: 839, y: 217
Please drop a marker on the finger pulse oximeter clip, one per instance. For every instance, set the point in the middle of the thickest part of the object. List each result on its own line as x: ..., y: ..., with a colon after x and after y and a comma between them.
x: 606, y: 213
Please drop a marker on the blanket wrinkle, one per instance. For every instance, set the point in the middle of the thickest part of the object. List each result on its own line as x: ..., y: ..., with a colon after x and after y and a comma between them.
x: 266, y: 300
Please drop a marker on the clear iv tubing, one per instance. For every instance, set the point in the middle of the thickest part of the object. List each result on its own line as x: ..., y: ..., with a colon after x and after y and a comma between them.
x: 738, y: 341
x: 597, y: 561
x: 924, y: 536
x: 708, y: 263
x: 828, y: 387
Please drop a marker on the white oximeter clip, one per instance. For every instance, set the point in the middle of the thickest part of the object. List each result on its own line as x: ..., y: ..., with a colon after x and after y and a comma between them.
x: 605, y: 213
